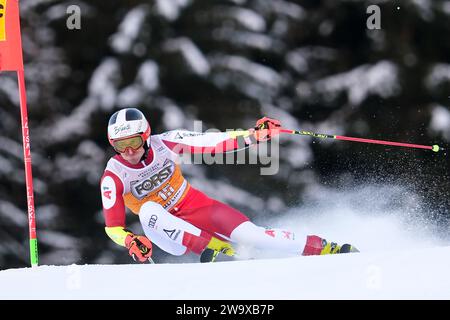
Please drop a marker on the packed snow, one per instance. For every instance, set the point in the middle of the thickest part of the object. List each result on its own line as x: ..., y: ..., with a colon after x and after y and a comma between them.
x: 405, y: 273
x: 403, y: 256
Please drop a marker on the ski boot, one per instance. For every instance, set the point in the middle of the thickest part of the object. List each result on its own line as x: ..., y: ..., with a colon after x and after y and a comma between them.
x: 214, y: 247
x: 348, y: 248
x: 319, y: 246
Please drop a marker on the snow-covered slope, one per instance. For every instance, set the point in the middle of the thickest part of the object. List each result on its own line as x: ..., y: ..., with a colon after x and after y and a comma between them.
x: 405, y: 254
x: 407, y: 274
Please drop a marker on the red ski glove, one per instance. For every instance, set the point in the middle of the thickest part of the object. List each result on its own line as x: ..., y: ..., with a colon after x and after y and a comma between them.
x: 139, y: 247
x: 266, y: 129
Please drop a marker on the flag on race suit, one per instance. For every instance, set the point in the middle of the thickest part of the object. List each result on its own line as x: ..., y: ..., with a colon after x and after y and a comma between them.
x: 10, y: 40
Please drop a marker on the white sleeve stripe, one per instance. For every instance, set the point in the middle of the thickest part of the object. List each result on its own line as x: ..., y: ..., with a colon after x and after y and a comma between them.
x: 195, y: 139
x: 117, y: 176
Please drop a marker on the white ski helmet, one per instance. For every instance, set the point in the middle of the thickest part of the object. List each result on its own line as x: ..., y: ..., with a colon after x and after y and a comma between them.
x: 126, y: 123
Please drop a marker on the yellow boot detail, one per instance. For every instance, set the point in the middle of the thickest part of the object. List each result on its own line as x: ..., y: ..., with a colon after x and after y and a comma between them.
x: 221, y: 246
x: 330, y: 248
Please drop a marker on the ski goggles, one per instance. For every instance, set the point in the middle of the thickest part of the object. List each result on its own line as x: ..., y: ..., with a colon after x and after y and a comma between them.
x: 123, y: 144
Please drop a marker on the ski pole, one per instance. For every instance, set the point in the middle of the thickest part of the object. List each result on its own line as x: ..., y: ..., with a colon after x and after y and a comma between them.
x: 434, y: 147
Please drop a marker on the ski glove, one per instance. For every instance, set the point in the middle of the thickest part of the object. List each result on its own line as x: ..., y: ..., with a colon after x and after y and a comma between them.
x: 266, y: 129
x: 139, y: 247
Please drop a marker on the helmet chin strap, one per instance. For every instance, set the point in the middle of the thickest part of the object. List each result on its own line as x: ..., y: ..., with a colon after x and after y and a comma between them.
x: 146, y: 149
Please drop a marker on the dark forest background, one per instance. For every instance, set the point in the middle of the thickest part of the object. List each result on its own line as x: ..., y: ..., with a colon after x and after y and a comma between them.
x: 313, y: 64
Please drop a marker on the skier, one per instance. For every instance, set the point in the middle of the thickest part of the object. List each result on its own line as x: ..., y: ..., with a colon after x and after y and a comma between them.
x: 144, y: 176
